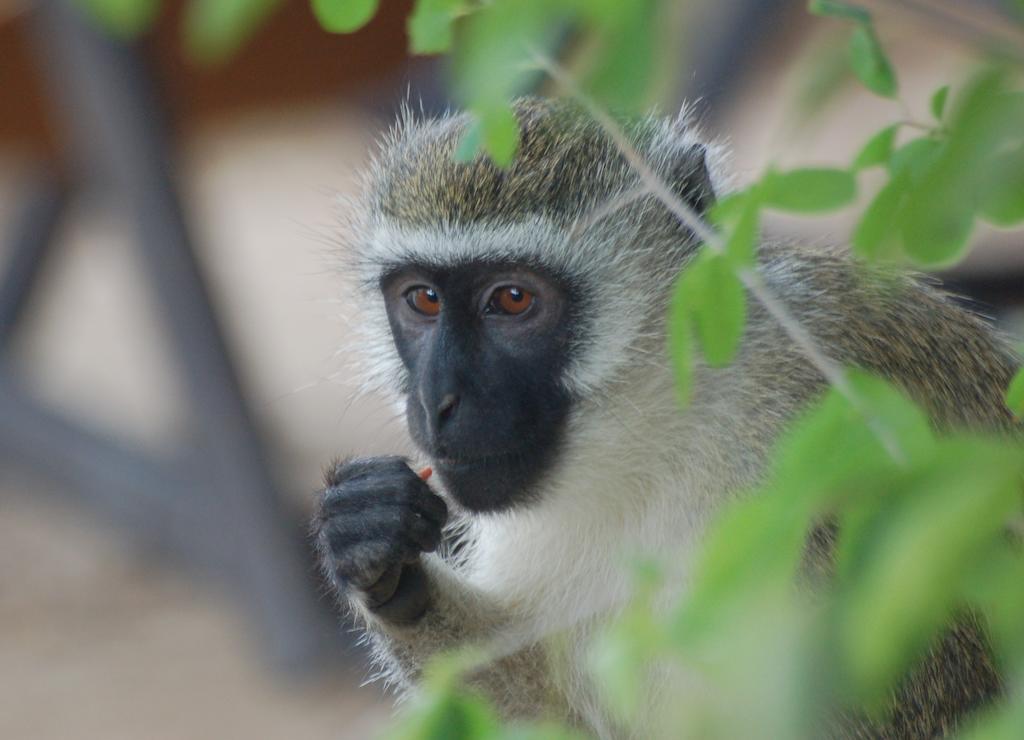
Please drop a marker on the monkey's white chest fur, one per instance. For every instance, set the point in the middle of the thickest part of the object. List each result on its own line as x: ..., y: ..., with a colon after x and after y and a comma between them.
x: 570, y: 558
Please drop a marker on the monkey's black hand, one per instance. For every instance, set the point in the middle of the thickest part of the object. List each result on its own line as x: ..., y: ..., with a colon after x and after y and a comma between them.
x: 375, y: 518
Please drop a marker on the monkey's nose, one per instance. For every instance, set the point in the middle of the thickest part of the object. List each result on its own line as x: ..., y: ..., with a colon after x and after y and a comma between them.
x: 446, y: 408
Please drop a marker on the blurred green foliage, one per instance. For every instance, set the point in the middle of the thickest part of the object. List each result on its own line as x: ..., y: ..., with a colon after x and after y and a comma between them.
x: 716, y: 302
x: 1015, y: 395
x: 344, y: 16
x: 123, y: 18
x: 808, y: 190
x: 214, y: 30
x: 922, y: 520
x: 865, y: 54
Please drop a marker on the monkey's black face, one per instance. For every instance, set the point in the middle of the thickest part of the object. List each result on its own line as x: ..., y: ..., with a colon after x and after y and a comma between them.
x: 485, y: 347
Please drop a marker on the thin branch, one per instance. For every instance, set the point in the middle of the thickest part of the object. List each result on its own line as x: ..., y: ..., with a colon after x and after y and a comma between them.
x: 909, y: 123
x: 751, y: 279
x: 606, y: 209
x: 651, y: 181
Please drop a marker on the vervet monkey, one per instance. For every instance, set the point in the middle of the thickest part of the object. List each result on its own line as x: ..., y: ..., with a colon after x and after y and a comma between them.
x: 521, y: 323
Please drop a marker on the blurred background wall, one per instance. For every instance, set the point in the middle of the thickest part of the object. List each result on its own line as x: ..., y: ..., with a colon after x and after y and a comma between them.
x: 123, y: 613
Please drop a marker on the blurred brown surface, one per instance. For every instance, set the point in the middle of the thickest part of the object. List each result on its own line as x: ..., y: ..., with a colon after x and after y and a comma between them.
x: 289, y: 60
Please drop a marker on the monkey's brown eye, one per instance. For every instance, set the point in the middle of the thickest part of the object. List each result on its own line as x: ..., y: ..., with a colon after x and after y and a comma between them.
x: 424, y: 300
x: 510, y: 300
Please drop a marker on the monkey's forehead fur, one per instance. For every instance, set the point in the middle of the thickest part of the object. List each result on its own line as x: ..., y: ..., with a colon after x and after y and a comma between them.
x: 569, y: 202
x: 565, y: 168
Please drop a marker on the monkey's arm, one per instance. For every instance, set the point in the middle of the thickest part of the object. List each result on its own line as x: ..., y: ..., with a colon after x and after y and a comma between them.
x: 516, y: 678
x: 376, y: 529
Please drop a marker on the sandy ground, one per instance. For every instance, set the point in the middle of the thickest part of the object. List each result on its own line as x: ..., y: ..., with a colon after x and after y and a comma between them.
x: 97, y: 644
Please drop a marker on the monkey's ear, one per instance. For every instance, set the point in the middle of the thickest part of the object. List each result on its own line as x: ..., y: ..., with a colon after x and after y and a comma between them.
x: 691, y: 180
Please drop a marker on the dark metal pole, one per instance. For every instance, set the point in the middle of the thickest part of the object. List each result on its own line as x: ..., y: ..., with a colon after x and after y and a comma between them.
x: 117, y: 132
x: 30, y: 243
x: 151, y: 501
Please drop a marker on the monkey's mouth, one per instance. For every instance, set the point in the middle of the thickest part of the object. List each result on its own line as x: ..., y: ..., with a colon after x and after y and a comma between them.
x: 487, y: 482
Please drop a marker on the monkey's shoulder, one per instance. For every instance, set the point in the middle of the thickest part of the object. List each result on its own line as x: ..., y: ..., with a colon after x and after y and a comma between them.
x: 900, y: 325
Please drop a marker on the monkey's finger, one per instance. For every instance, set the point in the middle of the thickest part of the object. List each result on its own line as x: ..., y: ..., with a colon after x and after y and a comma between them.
x: 425, y: 533
x: 360, y: 565
x: 385, y: 488
x: 380, y: 592
x: 361, y: 511
x: 361, y: 468
x: 358, y: 504
x: 431, y: 506
x: 363, y: 564
x: 410, y: 599
x: 352, y: 500
x: 381, y: 523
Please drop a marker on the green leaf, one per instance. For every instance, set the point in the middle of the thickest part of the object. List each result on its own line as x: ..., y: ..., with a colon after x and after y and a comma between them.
x: 470, y: 142
x: 966, y: 172
x: 215, y: 29
x: 431, y: 25
x: 601, y: 12
x: 999, y: 722
x: 809, y: 190
x: 124, y: 19
x: 680, y: 340
x: 493, y: 129
x: 902, y: 580
x: 718, y: 304
x: 344, y: 16
x: 624, y: 69
x: 869, y: 62
x: 867, y: 59
x: 741, y: 242
x: 938, y: 102
x: 453, y: 715
x: 728, y: 209
x: 878, y: 150
x: 494, y: 63
x: 840, y: 443
x: 753, y: 547
x: 936, y: 227
x: 445, y: 708
x: 993, y: 589
x: 892, y: 418
x: 877, y: 226
x: 835, y: 9
x: 935, y: 220
x: 737, y: 216
x: 500, y: 131
x: 1015, y: 395
x: 1002, y: 198
x: 754, y: 550
x: 494, y: 56
x: 722, y: 319
x: 914, y: 159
